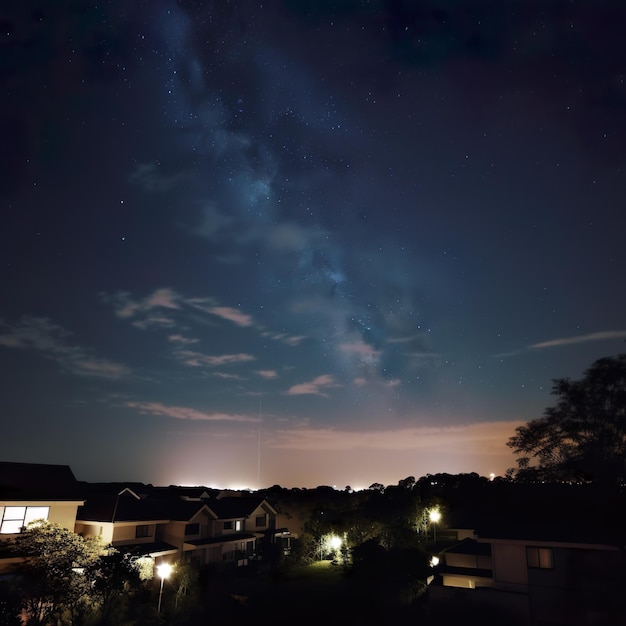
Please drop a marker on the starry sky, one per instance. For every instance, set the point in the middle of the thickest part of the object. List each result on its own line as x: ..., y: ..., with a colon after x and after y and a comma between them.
x: 303, y: 242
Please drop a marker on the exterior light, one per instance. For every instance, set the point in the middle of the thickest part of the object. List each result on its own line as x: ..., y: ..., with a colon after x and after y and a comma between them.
x: 164, y: 571
x: 335, y: 542
x: 434, y: 561
x: 434, y: 516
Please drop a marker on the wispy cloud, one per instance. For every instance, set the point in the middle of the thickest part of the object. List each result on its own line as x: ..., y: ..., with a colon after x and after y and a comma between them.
x: 267, y: 374
x: 365, y: 352
x: 197, y: 359
x: 126, y: 306
x: 481, y: 434
x: 232, y: 315
x: 226, y: 376
x: 186, y: 413
x: 568, y: 341
x: 182, y: 340
x: 316, y: 387
x: 42, y: 335
x: 290, y: 340
x: 153, y: 178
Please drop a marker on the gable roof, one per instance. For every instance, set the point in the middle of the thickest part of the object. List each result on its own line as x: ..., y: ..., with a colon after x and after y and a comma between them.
x: 239, y: 506
x: 127, y: 507
x: 38, y: 482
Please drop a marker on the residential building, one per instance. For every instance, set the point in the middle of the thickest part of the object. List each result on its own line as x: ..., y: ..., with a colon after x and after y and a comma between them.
x: 173, y: 523
x: 34, y: 491
x: 543, y: 566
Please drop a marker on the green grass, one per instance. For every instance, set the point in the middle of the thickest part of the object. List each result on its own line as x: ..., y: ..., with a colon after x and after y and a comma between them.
x: 317, y: 593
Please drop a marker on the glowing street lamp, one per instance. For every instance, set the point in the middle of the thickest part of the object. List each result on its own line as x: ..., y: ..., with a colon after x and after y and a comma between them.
x: 164, y: 571
x: 335, y: 542
x: 434, y: 516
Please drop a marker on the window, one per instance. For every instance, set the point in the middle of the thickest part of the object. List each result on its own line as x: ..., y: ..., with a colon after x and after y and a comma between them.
x: 539, y: 558
x: 14, y: 518
x: 260, y: 521
x: 144, y: 530
x: 238, y: 525
x: 192, y: 529
x: 228, y: 525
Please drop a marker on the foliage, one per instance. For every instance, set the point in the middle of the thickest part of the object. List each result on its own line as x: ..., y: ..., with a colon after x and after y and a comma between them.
x: 67, y: 579
x: 113, y: 578
x: 583, y: 437
x: 54, y: 581
x: 394, y: 575
x: 9, y: 606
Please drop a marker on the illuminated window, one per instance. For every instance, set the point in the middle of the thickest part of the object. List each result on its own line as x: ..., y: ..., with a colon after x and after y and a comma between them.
x: 539, y: 558
x: 144, y: 530
x: 15, y: 518
x: 238, y: 525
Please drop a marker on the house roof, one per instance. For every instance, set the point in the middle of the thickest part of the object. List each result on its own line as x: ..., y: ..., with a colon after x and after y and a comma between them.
x: 470, y: 546
x: 237, y: 507
x: 126, y: 507
x: 155, y: 548
x: 38, y: 482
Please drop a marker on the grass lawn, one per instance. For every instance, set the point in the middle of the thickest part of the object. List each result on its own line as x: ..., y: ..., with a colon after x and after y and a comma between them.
x: 309, y: 594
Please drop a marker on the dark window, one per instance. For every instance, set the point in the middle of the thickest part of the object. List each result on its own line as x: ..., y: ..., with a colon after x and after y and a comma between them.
x: 144, y: 530
x: 228, y: 525
x: 260, y: 521
x: 192, y: 529
x: 539, y: 558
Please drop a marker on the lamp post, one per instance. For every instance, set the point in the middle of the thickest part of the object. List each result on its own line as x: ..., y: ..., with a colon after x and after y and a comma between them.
x: 163, y: 570
x: 434, y: 517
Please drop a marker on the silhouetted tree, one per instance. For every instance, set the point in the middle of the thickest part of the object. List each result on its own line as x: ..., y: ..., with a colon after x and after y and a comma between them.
x: 583, y: 437
x: 53, y: 577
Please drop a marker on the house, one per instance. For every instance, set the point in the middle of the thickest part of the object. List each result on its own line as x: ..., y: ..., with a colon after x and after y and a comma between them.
x: 543, y: 565
x: 33, y: 491
x: 173, y: 523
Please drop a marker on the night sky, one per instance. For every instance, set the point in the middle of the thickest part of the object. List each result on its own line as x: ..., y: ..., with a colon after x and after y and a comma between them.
x: 303, y: 242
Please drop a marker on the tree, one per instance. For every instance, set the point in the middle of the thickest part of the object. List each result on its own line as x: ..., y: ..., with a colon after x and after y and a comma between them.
x: 582, y: 437
x: 54, y: 583
x: 113, y: 577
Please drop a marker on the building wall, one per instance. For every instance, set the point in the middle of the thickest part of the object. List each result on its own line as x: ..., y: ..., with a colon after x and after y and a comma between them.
x: 468, y: 560
x: 509, y: 564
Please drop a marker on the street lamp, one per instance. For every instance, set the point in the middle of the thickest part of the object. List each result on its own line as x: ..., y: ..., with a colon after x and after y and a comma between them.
x: 434, y: 517
x: 335, y: 542
x: 163, y: 570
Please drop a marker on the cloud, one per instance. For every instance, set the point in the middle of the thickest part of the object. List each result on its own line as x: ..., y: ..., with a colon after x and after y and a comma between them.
x: 313, y: 387
x: 290, y: 340
x: 126, y: 307
x: 185, y: 413
x: 365, y: 352
x: 197, y: 359
x: 42, y: 335
x: 489, y: 435
x: 568, y: 341
x: 152, y: 178
x: 232, y: 315
x: 267, y: 374
x: 181, y: 339
x: 153, y: 321
x: 227, y: 376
